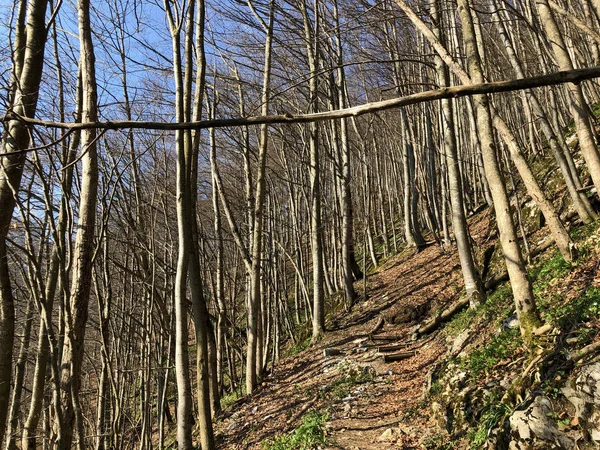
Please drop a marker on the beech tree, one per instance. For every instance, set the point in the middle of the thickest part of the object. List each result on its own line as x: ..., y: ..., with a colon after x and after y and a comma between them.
x: 147, y: 208
x: 28, y: 57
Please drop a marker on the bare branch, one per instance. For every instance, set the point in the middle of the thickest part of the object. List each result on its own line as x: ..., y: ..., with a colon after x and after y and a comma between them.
x: 569, y: 76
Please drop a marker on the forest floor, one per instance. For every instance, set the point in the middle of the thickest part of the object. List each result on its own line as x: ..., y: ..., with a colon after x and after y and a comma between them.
x: 341, y: 394
x: 365, y: 402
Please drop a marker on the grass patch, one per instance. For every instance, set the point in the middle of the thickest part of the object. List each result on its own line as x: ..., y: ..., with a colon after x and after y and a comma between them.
x: 500, y: 347
x: 460, y: 322
x: 439, y: 442
x: 492, y: 415
x: 308, y: 435
x: 342, y: 386
x: 583, y: 232
x: 554, y: 267
x: 303, y: 338
x: 582, y: 309
x: 562, y: 308
x: 299, y: 346
x: 497, y: 307
x: 351, y: 375
x: 229, y: 399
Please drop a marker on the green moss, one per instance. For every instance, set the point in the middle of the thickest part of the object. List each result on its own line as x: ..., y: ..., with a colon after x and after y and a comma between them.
x: 528, y: 322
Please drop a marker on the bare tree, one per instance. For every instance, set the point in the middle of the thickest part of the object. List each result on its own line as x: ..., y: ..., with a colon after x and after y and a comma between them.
x: 26, y: 75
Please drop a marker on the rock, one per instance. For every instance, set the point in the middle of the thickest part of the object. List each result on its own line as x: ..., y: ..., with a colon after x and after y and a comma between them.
x: 459, y: 342
x: 391, y: 434
x: 369, y: 370
x: 433, y: 376
x: 438, y: 414
x: 510, y: 322
x: 408, y: 430
x: 532, y: 216
x: 456, y: 382
x: 584, y: 394
x: 533, y: 429
x: 347, y: 409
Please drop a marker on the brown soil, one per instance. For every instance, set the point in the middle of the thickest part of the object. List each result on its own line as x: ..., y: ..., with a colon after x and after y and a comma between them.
x: 427, y: 281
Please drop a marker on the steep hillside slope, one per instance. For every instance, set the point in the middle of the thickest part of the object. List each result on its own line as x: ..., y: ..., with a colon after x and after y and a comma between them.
x: 453, y: 387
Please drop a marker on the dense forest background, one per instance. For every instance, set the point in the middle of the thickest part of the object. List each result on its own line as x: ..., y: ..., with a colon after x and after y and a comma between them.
x: 179, y: 197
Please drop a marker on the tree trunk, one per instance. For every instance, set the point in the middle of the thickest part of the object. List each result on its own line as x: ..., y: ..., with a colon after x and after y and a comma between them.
x: 252, y: 369
x: 578, y: 105
x: 16, y: 137
x: 311, y: 36
x: 520, y: 284
x: 182, y: 364
x: 472, y: 279
x: 75, y: 325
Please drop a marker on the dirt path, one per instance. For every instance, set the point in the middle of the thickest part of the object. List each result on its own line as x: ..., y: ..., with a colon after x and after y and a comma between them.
x: 386, y: 410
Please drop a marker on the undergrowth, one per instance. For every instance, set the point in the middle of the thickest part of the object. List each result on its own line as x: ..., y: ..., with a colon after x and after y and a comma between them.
x: 308, y: 435
x: 492, y: 415
x: 560, y: 299
x: 303, y: 338
x: 480, y: 361
x: 439, y: 442
x: 567, y: 297
x: 341, y: 387
x: 229, y: 399
x: 496, y: 307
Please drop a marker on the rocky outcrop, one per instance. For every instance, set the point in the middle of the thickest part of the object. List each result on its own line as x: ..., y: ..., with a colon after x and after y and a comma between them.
x: 534, y: 429
x: 584, y: 393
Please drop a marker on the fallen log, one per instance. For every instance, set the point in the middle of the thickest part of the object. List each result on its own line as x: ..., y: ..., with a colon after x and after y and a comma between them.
x: 331, y: 352
x: 398, y: 356
x: 391, y: 348
x: 443, y: 316
x: 378, y: 326
x: 386, y: 338
x: 578, y: 355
